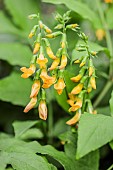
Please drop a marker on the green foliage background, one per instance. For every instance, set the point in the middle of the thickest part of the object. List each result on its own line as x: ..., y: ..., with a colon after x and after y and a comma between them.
x: 30, y: 143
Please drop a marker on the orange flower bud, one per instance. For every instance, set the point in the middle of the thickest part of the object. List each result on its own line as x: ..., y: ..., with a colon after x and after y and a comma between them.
x: 77, y: 78
x: 100, y: 34
x: 27, y: 72
x: 50, y: 53
x: 74, y: 119
x: 93, y: 82
x: 35, y: 88
x: 36, y: 48
x: 63, y: 62
x: 77, y: 89
x: 54, y: 64
x: 31, y: 35
x: 42, y: 61
x: 59, y: 86
x: 91, y: 71
x: 31, y: 104
x: 42, y: 110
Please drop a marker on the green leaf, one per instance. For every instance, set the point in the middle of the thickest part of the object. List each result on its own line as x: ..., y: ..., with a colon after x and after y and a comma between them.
x: 7, y: 26
x: 20, y: 11
x: 15, y: 53
x: 60, y: 127
x: 62, y: 100
x: 51, y: 151
x: 96, y: 130
x: 3, y: 160
x: 88, y: 162
x: 20, y: 127
x: 20, y: 158
x: 15, y: 89
x: 81, y: 8
x: 109, y: 14
x: 111, y: 103
x: 27, y: 161
x: 32, y: 133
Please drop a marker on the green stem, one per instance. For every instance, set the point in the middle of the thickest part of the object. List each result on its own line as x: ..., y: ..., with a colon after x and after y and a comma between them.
x: 110, y: 168
x: 103, y: 93
x: 108, y: 36
x: 109, y: 45
x: 50, y: 123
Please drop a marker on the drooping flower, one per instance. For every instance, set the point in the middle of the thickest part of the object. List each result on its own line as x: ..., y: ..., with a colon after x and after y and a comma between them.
x: 42, y: 61
x: 36, y: 48
x: 77, y: 89
x: 27, y: 72
x: 35, y: 88
x: 76, y: 106
x: 31, y: 104
x: 50, y: 53
x: 74, y: 119
x: 55, y: 64
x: 72, y: 99
x: 42, y: 110
x: 63, y: 62
x: 76, y: 78
x: 93, y: 82
x: 100, y: 34
x: 47, y: 80
x: 59, y: 86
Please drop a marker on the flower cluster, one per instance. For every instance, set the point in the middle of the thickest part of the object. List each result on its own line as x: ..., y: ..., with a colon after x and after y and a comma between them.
x: 46, y: 75
x: 79, y: 100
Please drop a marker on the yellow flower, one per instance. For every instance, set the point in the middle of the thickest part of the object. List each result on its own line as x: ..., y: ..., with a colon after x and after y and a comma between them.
x: 48, y: 30
x: 100, y: 34
x: 47, y: 80
x: 70, y: 102
x: 77, y: 78
x: 108, y: 1
x: 77, y: 89
x: 82, y: 64
x: 91, y: 71
x: 77, y: 61
x: 35, y: 88
x: 93, y: 82
x: 76, y: 106
x: 31, y: 104
x: 59, y: 86
x: 55, y: 64
x: 42, y: 61
x: 50, y: 53
x: 27, y: 72
x: 63, y: 62
x: 36, y: 48
x: 74, y: 119
x: 42, y: 110
x: 31, y: 35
